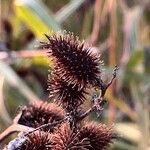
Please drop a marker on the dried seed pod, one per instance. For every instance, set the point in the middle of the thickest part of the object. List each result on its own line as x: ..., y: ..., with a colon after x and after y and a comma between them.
x: 65, y: 139
x: 68, y: 95
x: 74, y: 61
x: 91, y: 136
x: 99, y: 135
x: 38, y: 140
x: 39, y: 113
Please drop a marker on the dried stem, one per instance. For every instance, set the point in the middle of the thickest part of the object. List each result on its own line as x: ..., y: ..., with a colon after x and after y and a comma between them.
x: 21, y: 128
x: 87, y: 113
x: 50, y: 125
x: 99, y: 101
x: 98, y: 106
x: 12, y: 129
x: 104, y: 86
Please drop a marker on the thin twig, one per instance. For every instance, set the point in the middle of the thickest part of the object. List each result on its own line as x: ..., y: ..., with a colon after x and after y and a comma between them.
x: 98, y: 107
x: 87, y: 113
x: 21, y: 128
x: 50, y: 125
x: 110, y: 82
x: 99, y: 101
x: 104, y: 86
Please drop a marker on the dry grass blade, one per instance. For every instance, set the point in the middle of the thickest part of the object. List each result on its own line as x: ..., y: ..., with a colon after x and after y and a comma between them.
x: 97, y: 21
x: 3, y: 111
x: 112, y: 50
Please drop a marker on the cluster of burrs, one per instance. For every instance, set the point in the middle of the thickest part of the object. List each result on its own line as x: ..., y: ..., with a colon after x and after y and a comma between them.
x: 60, y: 125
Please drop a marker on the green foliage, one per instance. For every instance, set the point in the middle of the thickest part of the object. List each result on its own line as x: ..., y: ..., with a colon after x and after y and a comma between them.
x: 34, y: 14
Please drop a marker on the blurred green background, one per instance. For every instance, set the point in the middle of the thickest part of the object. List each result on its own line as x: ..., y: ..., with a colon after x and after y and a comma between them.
x: 119, y: 30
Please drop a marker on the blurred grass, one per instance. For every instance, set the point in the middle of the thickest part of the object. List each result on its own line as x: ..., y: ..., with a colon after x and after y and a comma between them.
x: 123, y: 26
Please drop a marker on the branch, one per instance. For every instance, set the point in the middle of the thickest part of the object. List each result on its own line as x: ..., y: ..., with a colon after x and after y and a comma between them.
x: 86, y: 113
x: 100, y: 101
x: 98, y: 106
x: 104, y: 86
x: 50, y: 125
x: 21, y: 128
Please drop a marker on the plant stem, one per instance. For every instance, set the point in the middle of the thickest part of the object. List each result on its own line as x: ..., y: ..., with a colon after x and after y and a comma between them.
x: 50, y: 125
x: 12, y: 129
